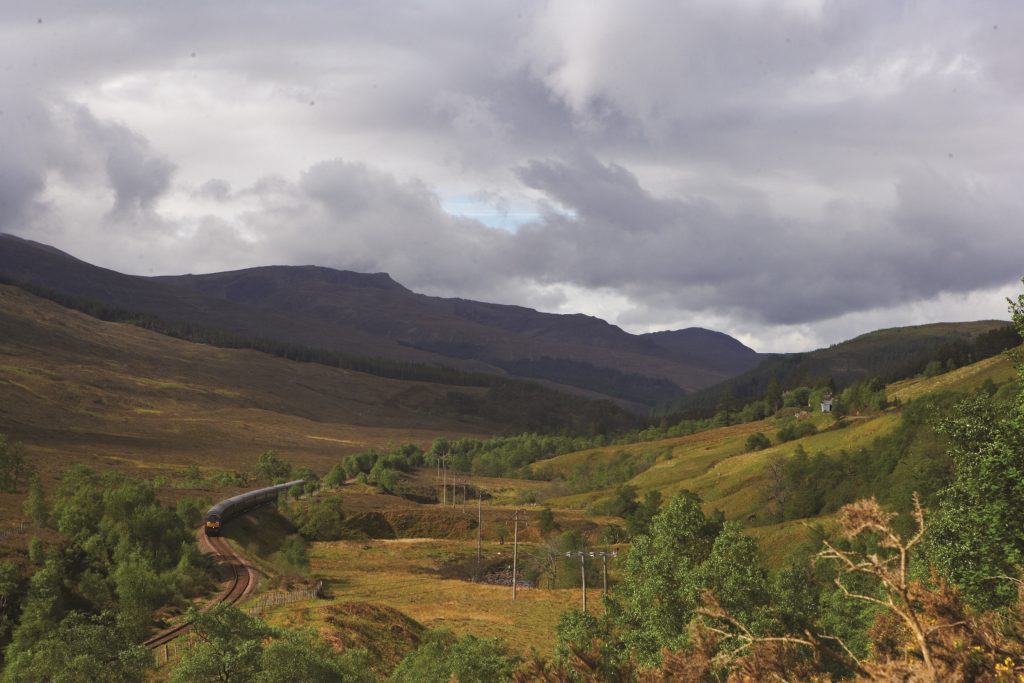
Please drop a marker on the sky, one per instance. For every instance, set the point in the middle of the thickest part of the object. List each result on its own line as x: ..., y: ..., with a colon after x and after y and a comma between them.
x: 793, y: 172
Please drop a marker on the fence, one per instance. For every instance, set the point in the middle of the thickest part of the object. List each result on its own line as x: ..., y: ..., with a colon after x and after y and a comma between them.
x: 270, y: 600
x: 264, y: 603
x: 11, y: 531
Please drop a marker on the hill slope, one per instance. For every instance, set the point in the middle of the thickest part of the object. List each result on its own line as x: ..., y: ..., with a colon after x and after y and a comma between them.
x: 371, y: 315
x: 890, y: 354
x: 716, y: 464
x: 78, y: 386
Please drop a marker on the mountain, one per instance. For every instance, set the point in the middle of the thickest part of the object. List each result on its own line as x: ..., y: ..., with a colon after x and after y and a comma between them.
x: 890, y: 354
x: 371, y: 315
x: 83, y: 388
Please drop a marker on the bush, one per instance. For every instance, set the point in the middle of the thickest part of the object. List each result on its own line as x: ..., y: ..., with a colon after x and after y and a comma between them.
x: 321, y: 520
x: 271, y: 466
x: 336, y: 476
x: 757, y: 442
x: 293, y: 551
x: 191, y: 510
x: 797, y: 430
x: 442, y: 657
x: 37, y: 551
x: 611, y: 534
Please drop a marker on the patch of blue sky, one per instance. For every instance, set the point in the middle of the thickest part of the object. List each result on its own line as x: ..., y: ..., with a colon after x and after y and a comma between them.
x: 499, y: 215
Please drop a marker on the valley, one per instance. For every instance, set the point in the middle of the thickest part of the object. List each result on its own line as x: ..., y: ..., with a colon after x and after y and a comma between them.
x: 188, y: 423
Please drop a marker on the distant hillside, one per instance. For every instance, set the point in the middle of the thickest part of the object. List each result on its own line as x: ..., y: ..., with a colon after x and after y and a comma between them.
x: 890, y: 453
x: 371, y: 315
x: 890, y: 354
x: 70, y: 383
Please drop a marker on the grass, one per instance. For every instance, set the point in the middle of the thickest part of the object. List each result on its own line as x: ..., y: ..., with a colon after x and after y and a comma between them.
x: 777, y: 541
x: 999, y: 369
x: 74, y: 389
x: 421, y: 575
x: 715, y: 465
x: 405, y: 574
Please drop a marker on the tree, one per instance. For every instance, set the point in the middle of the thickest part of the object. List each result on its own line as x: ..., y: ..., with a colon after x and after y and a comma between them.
x: 35, y: 506
x: 977, y: 532
x: 546, y: 521
x: 12, y: 464
x: 140, y: 590
x: 735, y: 573
x: 639, y: 521
x: 773, y: 397
x: 442, y: 657
x: 81, y: 648
x: 933, y: 369
x: 10, y: 593
x: 322, y: 519
x: 293, y: 551
x: 659, y: 589
x: 336, y: 476
x: 271, y: 466
x: 300, y: 655
x: 229, y: 649
x: 757, y: 442
x: 43, y: 610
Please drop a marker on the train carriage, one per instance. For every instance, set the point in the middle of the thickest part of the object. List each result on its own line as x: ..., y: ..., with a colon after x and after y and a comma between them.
x: 223, y: 511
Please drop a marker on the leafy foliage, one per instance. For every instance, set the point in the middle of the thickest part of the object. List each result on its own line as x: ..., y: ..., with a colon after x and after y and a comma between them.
x: 81, y: 648
x: 442, y: 657
x: 757, y: 442
x: 977, y: 533
x: 35, y: 506
x: 13, y: 468
x: 321, y: 520
x: 271, y: 466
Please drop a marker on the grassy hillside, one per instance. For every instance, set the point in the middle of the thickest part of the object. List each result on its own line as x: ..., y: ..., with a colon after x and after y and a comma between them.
x: 715, y: 463
x: 890, y: 354
x: 75, y: 389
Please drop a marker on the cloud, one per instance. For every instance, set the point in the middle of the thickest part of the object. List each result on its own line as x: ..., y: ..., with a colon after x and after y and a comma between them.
x: 778, y: 169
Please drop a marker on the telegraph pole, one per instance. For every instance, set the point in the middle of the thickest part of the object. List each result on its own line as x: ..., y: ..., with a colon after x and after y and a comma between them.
x: 444, y: 481
x: 604, y: 555
x: 583, y: 572
x: 479, y: 527
x: 515, y: 546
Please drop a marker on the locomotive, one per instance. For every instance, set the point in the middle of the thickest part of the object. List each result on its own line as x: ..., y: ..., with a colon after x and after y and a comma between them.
x: 236, y: 505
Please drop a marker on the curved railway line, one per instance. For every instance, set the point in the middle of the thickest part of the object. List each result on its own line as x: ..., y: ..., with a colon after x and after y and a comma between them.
x: 241, y: 581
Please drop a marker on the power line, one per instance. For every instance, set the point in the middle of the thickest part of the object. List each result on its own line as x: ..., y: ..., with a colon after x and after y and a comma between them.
x: 583, y: 554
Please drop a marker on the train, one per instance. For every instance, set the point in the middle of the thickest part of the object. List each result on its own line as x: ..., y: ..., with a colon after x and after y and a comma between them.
x: 223, y: 511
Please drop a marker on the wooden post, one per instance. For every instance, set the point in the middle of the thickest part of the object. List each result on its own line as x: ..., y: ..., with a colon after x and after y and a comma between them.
x: 479, y: 528
x: 583, y: 573
x: 515, y: 549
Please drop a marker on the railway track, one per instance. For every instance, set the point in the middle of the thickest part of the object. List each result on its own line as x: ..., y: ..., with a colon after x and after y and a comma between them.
x: 240, y: 582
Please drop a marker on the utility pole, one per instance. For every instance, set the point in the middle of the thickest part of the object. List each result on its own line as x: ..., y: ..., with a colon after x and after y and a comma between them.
x: 604, y: 555
x: 444, y: 481
x: 515, y: 546
x: 479, y: 527
x: 583, y: 572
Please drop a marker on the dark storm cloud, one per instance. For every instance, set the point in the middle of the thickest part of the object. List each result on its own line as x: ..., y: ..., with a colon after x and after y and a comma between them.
x: 694, y: 255
x: 771, y: 163
x: 137, y: 175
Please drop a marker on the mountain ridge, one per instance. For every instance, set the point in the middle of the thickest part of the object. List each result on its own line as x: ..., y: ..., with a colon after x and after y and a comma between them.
x: 370, y: 314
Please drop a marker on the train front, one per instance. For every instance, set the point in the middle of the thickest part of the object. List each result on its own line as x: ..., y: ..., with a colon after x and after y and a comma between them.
x: 213, y: 522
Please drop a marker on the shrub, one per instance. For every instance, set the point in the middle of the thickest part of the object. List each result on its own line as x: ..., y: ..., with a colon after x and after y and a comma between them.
x: 293, y: 551
x: 757, y: 442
